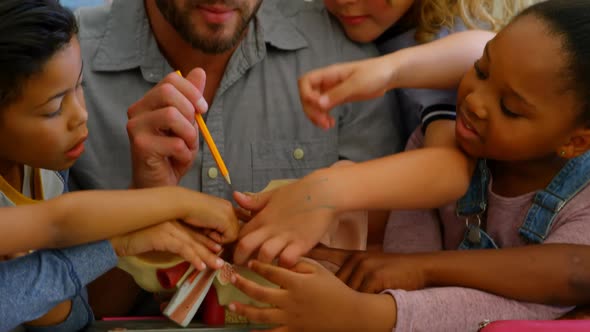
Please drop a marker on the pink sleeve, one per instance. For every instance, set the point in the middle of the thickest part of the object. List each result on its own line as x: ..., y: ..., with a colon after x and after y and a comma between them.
x: 461, y: 309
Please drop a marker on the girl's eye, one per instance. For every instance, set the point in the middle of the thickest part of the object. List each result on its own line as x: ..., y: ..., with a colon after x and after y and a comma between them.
x: 53, y: 114
x: 506, y: 111
x: 478, y: 72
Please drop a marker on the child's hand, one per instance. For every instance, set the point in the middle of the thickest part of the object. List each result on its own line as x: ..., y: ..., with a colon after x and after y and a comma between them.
x: 322, y: 89
x: 373, y: 272
x: 172, y: 237
x: 217, y: 217
x: 310, y: 299
x: 287, y: 222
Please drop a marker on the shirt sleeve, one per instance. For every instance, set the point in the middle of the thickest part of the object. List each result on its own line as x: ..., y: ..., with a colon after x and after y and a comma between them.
x: 32, y: 285
x: 461, y: 309
x: 437, y: 112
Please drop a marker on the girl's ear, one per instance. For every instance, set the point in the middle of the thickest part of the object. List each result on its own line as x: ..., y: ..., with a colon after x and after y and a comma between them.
x: 578, y: 144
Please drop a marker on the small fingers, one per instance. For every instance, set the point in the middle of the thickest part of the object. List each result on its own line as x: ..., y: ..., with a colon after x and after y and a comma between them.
x: 291, y: 254
x: 253, y: 202
x: 271, y: 248
x: 273, y: 296
x: 248, y: 244
x: 259, y: 315
x: 349, y: 266
x: 332, y: 255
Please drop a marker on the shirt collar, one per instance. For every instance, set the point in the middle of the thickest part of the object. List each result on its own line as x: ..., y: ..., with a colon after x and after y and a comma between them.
x: 128, y: 42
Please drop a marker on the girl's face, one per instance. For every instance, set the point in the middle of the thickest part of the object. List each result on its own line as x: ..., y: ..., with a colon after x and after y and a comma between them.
x: 46, y: 126
x: 514, y: 105
x: 365, y: 20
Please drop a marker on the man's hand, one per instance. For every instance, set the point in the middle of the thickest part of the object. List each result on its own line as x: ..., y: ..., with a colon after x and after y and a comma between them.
x: 162, y: 130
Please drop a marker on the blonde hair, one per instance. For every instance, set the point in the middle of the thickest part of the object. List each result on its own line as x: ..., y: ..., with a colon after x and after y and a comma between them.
x: 429, y: 16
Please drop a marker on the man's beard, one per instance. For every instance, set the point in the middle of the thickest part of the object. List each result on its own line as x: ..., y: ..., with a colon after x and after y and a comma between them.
x: 206, y: 41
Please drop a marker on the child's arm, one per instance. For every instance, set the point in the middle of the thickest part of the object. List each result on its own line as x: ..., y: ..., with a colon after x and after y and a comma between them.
x: 436, y: 65
x: 393, y: 182
x: 44, y: 287
x: 422, y: 178
x: 556, y: 274
x: 313, y: 299
x: 87, y: 216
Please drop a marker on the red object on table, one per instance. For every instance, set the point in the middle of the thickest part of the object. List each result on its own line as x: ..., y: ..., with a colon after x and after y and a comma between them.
x: 213, y: 312
x: 169, y: 277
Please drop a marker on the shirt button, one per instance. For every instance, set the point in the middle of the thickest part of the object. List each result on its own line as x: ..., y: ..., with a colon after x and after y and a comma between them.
x: 212, y: 172
x: 298, y: 153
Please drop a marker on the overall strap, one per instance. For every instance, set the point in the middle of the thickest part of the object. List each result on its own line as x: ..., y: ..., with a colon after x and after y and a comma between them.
x: 547, y: 203
x: 475, y: 201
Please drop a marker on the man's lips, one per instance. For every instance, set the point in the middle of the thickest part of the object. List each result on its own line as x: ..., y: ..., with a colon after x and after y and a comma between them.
x: 216, y: 14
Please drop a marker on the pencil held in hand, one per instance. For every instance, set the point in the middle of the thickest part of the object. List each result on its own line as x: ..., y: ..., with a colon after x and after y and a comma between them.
x: 210, y: 143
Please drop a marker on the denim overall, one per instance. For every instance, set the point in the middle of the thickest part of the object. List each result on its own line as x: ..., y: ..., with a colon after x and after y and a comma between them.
x: 547, y: 203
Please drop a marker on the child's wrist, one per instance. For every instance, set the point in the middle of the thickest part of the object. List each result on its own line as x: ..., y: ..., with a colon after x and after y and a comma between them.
x: 324, y: 188
x: 379, y: 310
x: 428, y: 266
x: 395, y: 64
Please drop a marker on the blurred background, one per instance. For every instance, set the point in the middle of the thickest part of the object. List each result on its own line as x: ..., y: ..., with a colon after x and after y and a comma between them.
x: 73, y: 4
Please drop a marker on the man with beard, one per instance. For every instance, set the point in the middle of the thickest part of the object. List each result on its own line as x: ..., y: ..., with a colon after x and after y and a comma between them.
x: 252, y: 52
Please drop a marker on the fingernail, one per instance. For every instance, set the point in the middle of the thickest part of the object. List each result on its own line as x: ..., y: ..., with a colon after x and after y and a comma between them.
x: 217, y: 247
x: 219, y: 262
x: 241, y: 195
x: 324, y: 101
x: 233, y: 279
x: 203, y: 266
x: 202, y: 105
x: 232, y: 307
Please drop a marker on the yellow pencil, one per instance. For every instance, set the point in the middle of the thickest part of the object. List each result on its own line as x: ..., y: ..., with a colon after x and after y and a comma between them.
x: 210, y: 143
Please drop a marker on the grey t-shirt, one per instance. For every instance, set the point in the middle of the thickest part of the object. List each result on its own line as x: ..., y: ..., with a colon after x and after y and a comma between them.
x: 256, y: 118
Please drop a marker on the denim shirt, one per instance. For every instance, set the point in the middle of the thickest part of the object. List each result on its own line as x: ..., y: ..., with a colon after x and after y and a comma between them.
x: 547, y: 203
x: 32, y: 285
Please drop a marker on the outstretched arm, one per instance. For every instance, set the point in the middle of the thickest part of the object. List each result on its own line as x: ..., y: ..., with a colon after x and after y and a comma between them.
x: 436, y: 65
x: 394, y: 182
x: 82, y: 217
x: 556, y: 274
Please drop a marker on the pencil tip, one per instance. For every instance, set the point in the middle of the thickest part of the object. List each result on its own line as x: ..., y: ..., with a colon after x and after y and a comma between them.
x: 227, y: 179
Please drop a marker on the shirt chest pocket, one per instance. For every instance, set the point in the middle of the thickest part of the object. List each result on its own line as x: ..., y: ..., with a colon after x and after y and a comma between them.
x: 274, y: 160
